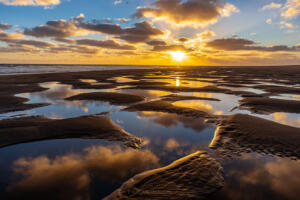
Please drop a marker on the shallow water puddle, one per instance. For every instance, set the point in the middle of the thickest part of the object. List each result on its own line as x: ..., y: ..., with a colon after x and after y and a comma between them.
x: 256, y: 176
x: 295, y: 97
x: 59, y: 108
x: 228, y: 102
x: 97, y: 165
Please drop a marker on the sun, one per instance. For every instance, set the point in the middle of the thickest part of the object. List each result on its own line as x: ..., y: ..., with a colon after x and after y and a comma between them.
x: 177, y: 55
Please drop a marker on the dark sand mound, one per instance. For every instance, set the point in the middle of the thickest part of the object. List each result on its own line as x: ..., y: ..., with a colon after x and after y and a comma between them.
x: 165, y: 106
x: 270, y: 105
x: 20, y: 130
x: 111, y: 97
x: 13, y: 103
x: 193, y: 177
x: 176, y: 97
x: 278, y: 89
x: 244, y: 133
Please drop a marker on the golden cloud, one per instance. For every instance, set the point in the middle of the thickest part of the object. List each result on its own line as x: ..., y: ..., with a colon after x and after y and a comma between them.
x: 200, y: 12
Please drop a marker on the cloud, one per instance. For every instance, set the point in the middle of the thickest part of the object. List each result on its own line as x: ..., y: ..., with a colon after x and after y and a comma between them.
x: 141, y: 31
x: 236, y: 44
x: 35, y: 43
x: 156, y: 42
x: 17, y: 39
x: 5, y: 26
x: 123, y: 20
x: 108, y: 44
x: 183, y: 39
x: 201, y: 12
x: 228, y: 9
x: 206, y: 34
x: 116, y: 2
x: 285, y: 24
x: 70, y: 175
x: 10, y: 36
x: 30, y: 2
x: 102, y: 28
x: 271, y: 6
x: 59, y: 30
x: 56, y: 29
x: 291, y: 9
x: 170, y: 48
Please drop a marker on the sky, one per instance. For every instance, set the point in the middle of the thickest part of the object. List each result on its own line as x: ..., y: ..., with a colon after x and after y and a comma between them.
x: 150, y: 32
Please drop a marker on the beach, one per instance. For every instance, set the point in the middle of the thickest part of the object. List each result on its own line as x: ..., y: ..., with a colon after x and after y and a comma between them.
x: 183, y: 132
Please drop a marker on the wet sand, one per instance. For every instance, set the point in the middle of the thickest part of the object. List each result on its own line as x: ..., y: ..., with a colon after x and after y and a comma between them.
x: 270, y: 105
x: 111, y: 97
x: 195, y: 176
x: 21, y: 130
x: 244, y: 133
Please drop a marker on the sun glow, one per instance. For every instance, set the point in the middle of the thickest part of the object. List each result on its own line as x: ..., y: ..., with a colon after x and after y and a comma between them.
x: 177, y: 55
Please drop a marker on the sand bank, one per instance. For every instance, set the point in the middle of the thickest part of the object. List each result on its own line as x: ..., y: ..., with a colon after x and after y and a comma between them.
x: 26, y: 129
x: 244, y: 133
x: 195, y: 176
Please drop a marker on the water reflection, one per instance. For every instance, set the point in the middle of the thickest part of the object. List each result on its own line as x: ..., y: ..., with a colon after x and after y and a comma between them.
x: 149, y: 94
x: 56, y: 93
x: 287, y: 118
x: 70, y: 176
x: 254, y: 176
x: 173, y: 120
x: 156, y: 128
x: 60, y: 108
x: 177, y: 81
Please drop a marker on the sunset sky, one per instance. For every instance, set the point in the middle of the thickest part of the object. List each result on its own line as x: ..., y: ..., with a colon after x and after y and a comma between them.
x: 150, y: 32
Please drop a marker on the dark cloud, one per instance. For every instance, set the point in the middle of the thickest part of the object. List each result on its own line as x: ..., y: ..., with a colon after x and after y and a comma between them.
x: 35, y: 43
x: 61, y: 29
x: 170, y: 48
x: 141, y: 31
x: 108, y: 44
x: 113, y: 29
x: 73, y: 49
x: 16, y: 39
x: 156, y: 42
x: 56, y: 29
x: 17, y: 49
x: 183, y: 39
x: 236, y: 44
x: 5, y: 26
x: 178, y: 11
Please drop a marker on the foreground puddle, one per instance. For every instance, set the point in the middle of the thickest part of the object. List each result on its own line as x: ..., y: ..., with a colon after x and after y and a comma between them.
x: 255, y: 176
x: 92, y: 169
